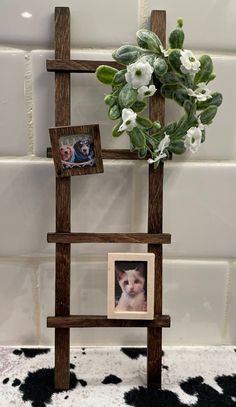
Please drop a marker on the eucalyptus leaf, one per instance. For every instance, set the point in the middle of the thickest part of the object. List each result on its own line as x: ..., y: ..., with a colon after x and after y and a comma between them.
x: 115, y: 130
x: 180, y: 96
x: 177, y: 147
x: 137, y: 138
x: 160, y: 67
x: 114, y: 112
x: 119, y: 78
x: 148, y: 40
x: 127, y: 96
x: 216, y: 99
x: 176, y: 38
x: 208, y: 114
x: 205, y: 70
x: 105, y: 74
x: 142, y: 152
x: 168, y: 90
x: 110, y: 100
x: 144, y: 122
x: 127, y: 54
x: 174, y: 60
x: 138, y: 106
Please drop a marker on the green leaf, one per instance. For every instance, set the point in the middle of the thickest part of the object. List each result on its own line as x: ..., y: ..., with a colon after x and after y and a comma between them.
x: 127, y: 54
x: 137, y: 138
x: 115, y: 130
x: 114, y: 112
x: 160, y: 67
x: 180, y: 96
x: 127, y: 96
x: 216, y: 100
x: 170, y: 128
x: 176, y: 38
x: 174, y: 60
x: 169, y: 77
x: 205, y: 70
x: 208, y: 114
x: 177, y: 147
x: 144, y: 122
x: 110, y: 100
x: 142, y: 152
x: 119, y: 78
x: 168, y: 90
x: 105, y: 74
x: 148, y: 40
x: 189, y: 107
x: 138, y: 106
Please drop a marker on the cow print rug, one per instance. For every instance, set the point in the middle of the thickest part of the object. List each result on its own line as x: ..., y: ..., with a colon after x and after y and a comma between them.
x: 115, y: 377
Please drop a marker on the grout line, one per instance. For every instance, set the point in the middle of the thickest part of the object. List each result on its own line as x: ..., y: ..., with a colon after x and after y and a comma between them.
x: 225, y: 324
x: 28, y: 101
x: 143, y: 13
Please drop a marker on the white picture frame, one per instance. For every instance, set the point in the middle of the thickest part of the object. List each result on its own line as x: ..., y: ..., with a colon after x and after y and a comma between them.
x: 130, y: 286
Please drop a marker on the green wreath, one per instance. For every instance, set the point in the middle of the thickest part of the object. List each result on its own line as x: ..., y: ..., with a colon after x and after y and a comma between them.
x: 183, y: 78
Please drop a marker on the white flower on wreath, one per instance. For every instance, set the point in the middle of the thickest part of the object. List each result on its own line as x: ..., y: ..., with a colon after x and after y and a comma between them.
x: 146, y: 91
x: 193, y: 139
x: 164, y: 143
x: 189, y: 63
x: 129, y: 120
x: 202, y: 92
x: 139, y: 74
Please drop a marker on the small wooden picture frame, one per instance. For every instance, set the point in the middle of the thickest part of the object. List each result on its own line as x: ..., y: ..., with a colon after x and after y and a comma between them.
x: 76, y: 150
x: 131, y: 285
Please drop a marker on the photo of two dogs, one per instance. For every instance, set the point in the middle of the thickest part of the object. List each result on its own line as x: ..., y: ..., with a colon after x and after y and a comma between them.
x: 77, y: 151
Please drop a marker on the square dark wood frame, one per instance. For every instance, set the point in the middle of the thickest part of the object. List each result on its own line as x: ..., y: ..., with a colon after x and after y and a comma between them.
x: 57, y: 132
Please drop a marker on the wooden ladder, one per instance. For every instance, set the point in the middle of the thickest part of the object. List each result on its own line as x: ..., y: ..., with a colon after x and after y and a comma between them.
x: 63, y: 66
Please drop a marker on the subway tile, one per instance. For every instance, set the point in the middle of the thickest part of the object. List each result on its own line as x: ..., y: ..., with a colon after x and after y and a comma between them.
x: 93, y: 24
x: 12, y: 112
x: 196, y: 304
x: 207, y: 25
x: 17, y: 304
x: 199, y: 202
x: 230, y: 338
x: 88, y: 297
x: 26, y: 206
x: 100, y: 203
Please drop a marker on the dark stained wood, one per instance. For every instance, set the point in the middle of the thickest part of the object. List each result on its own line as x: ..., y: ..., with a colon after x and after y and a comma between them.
x: 69, y: 65
x: 109, y: 238
x: 89, y: 321
x: 155, y: 214
x: 115, y: 154
x: 63, y: 208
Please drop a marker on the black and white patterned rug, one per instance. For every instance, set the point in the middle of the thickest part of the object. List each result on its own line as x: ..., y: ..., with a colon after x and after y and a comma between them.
x: 115, y: 377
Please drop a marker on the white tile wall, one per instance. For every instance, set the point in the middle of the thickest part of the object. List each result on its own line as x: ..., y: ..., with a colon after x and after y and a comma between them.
x: 197, y: 308
x: 18, y: 310
x: 208, y: 24
x: 12, y: 103
x: 199, y: 194
x: 33, y: 24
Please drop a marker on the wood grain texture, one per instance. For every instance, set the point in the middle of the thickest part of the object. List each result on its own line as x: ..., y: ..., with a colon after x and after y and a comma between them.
x: 73, y: 65
x: 63, y: 208
x: 155, y: 214
x: 109, y: 238
x: 89, y: 321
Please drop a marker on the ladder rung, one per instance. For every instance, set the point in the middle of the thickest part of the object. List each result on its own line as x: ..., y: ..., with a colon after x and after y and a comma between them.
x: 74, y: 65
x: 96, y: 321
x: 112, y: 154
x: 149, y: 238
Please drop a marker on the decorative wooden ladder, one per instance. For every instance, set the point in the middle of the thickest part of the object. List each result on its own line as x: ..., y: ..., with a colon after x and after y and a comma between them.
x: 63, y: 66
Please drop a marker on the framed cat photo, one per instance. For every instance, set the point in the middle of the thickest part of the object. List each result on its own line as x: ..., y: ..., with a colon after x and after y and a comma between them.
x: 130, y: 285
x: 76, y: 150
